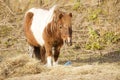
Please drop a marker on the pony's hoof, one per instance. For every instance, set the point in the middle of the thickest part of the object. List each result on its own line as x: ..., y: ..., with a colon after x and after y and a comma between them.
x: 49, y: 66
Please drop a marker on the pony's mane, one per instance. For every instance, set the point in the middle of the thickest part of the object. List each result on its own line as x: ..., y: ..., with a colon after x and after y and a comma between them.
x: 51, y: 27
x: 51, y: 14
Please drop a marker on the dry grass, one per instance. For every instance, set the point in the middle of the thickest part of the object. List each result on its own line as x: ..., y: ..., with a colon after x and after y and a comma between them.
x: 85, y: 72
x: 20, y: 65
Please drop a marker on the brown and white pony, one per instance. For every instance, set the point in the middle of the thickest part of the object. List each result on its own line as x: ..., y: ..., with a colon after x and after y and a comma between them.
x: 47, y: 30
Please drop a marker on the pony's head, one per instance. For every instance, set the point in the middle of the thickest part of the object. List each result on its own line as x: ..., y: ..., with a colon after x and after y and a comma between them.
x: 64, y: 26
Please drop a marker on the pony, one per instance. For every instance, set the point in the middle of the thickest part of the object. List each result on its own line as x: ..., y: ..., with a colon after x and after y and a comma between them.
x: 46, y: 31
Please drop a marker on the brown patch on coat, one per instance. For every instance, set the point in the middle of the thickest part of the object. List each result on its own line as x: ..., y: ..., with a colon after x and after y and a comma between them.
x: 27, y: 25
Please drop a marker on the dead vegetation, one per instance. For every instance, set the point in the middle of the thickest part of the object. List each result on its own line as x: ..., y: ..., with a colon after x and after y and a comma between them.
x: 13, y: 68
x: 95, y: 53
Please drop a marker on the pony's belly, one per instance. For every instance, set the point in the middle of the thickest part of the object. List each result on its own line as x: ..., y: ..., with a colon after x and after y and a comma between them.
x: 39, y: 38
x: 37, y: 33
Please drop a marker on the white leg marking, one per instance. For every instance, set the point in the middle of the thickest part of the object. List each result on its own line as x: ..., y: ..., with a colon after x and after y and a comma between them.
x: 31, y: 51
x: 55, y: 63
x: 49, y: 61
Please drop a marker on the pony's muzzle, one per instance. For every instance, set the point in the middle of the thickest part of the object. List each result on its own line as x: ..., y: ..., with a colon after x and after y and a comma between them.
x: 69, y: 41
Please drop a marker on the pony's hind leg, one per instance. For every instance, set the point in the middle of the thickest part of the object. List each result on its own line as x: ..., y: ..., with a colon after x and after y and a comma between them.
x: 37, y: 52
x: 42, y: 54
x: 31, y: 51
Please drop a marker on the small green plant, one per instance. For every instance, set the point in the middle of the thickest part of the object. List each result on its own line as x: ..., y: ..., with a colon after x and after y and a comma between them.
x: 109, y: 38
x: 76, y: 5
x: 94, y: 40
x: 94, y: 14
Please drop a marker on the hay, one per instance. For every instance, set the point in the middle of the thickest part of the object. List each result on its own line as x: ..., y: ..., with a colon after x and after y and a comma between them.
x: 19, y: 66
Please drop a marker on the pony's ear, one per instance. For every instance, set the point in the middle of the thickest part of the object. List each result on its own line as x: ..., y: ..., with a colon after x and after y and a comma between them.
x: 70, y: 14
x: 60, y: 16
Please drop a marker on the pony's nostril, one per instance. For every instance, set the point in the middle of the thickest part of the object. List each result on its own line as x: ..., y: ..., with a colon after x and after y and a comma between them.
x: 68, y: 41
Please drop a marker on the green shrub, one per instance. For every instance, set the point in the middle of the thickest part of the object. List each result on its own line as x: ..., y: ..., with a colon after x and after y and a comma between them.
x: 97, y: 42
x: 94, y: 40
x: 109, y: 38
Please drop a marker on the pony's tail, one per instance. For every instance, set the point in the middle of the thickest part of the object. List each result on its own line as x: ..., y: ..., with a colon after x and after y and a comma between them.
x: 27, y: 22
x: 28, y: 19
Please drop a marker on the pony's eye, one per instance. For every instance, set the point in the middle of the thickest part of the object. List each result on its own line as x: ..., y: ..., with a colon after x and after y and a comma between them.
x: 60, y: 26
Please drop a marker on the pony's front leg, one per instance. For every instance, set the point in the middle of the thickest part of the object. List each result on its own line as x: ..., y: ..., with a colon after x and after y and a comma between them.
x: 48, y: 55
x: 56, y: 55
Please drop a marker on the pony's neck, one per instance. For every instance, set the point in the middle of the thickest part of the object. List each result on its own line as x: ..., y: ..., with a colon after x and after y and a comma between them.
x: 52, y: 30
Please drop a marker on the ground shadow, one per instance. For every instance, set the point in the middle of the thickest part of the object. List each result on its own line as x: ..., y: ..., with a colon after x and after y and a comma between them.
x: 110, y: 57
